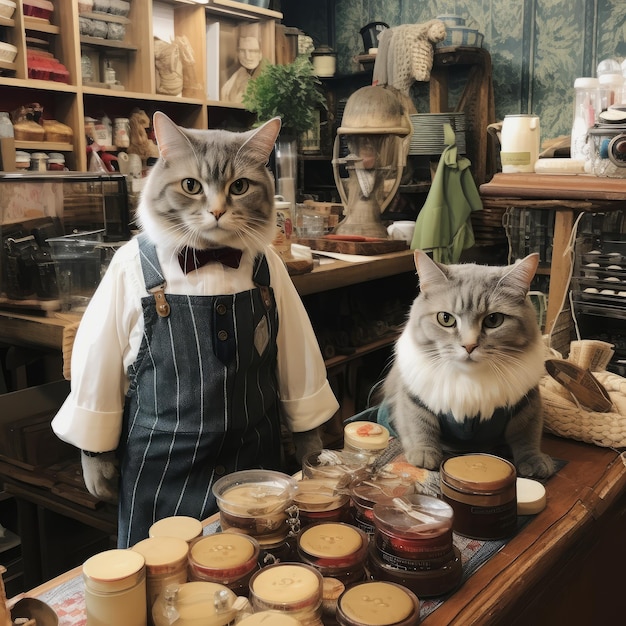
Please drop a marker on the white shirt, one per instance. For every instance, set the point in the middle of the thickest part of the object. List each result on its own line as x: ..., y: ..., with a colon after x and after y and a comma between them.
x: 111, y: 331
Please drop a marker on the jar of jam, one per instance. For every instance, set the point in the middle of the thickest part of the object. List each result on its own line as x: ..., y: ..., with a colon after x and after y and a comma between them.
x: 481, y: 489
x: 378, y: 603
x: 338, y: 467
x: 294, y: 589
x: 256, y: 503
x: 226, y: 558
x: 166, y: 564
x: 367, y: 438
x: 336, y: 550
x: 56, y: 162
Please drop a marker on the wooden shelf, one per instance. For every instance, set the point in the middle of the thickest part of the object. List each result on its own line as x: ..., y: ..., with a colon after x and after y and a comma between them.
x: 44, y: 146
x: 98, y: 42
x: 40, y: 26
x: 7, y: 21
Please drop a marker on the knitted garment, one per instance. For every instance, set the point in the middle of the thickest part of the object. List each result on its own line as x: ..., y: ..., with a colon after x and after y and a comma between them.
x: 405, y: 54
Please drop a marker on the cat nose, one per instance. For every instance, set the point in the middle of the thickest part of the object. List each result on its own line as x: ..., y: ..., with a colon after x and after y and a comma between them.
x: 217, y: 213
x: 470, y: 347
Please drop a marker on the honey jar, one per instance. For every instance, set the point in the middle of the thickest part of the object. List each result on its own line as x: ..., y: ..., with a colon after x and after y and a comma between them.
x: 226, y: 558
x: 481, y: 489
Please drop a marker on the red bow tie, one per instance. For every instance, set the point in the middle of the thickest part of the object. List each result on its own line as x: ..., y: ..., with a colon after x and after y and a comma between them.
x: 191, y: 259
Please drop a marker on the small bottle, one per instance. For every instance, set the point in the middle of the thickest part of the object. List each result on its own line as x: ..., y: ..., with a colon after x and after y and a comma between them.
x: 586, y: 109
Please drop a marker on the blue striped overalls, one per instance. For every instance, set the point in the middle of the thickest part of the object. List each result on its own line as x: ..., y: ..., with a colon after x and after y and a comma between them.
x: 202, y: 400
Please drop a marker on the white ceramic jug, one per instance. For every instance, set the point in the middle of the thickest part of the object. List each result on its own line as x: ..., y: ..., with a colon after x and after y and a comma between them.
x: 520, y: 140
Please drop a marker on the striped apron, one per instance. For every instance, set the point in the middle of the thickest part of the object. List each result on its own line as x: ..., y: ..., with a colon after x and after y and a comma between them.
x: 202, y: 400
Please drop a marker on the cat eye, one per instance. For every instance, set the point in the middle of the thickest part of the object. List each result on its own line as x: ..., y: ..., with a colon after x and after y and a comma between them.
x: 493, y: 320
x: 447, y: 320
x: 240, y: 186
x: 191, y: 186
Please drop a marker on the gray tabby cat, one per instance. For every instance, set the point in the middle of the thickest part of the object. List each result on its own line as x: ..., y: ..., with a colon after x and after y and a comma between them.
x: 467, y: 366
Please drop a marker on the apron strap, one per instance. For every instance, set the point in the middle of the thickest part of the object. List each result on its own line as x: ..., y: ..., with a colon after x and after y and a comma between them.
x: 152, y: 274
x: 261, y: 278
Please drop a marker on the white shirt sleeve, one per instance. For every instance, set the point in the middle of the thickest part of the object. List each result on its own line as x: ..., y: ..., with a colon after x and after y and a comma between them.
x: 307, y: 399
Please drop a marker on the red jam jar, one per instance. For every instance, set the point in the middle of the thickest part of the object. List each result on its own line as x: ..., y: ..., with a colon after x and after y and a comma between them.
x: 226, y: 558
x: 320, y: 501
x: 481, y: 489
x: 414, y: 531
x: 256, y: 503
x: 336, y: 550
x: 365, y: 493
x: 378, y: 603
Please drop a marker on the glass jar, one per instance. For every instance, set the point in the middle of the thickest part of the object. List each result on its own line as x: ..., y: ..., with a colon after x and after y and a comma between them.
x: 586, y: 109
x: 166, y: 564
x: 115, y: 588
x: 481, y: 489
x: 367, y: 438
x: 38, y: 161
x: 291, y: 588
x: 6, y: 127
x: 378, y: 603
x: 256, y: 503
x: 121, y: 133
x: 335, y: 550
x: 226, y: 558
x: 319, y: 500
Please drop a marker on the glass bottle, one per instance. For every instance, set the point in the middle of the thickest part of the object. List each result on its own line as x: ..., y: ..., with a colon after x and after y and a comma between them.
x: 586, y: 109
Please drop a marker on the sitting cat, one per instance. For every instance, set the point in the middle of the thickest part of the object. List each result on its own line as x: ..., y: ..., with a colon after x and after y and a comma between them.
x: 196, y: 348
x: 467, y: 366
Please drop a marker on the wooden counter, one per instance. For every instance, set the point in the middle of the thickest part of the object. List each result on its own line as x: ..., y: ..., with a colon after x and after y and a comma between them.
x: 564, y: 567
x: 568, y: 197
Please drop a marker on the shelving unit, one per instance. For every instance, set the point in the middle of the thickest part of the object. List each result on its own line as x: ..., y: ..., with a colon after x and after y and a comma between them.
x: 133, y: 61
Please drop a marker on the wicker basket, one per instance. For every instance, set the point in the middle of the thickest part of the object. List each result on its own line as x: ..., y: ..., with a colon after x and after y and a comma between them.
x: 566, y: 418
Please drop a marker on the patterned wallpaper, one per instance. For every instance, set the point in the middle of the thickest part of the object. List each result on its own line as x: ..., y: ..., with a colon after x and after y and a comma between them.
x: 538, y: 47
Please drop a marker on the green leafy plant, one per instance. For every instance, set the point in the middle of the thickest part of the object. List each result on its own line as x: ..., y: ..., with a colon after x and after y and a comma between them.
x: 288, y: 91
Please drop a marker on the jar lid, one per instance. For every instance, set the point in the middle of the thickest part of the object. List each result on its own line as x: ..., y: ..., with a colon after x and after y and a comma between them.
x: 331, y: 540
x: 254, y: 492
x: 377, y: 603
x: 207, y: 603
x: 113, y: 570
x: 368, y: 492
x: 317, y: 494
x: 162, y: 554
x: 323, y: 51
x: 181, y: 526
x: 531, y: 496
x: 414, y: 515
x: 283, y: 585
x: 479, y: 472
x: 366, y: 435
x: 224, y: 551
x: 586, y: 82
x: 22, y: 157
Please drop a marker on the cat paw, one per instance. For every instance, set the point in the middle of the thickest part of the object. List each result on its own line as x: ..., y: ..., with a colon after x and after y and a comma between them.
x: 539, y: 465
x: 428, y: 458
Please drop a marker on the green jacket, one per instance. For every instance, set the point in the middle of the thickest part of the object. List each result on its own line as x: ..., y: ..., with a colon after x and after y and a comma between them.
x: 443, y: 226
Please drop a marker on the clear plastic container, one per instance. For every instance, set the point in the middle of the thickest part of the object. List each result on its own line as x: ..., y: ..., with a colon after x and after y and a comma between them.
x: 586, y: 109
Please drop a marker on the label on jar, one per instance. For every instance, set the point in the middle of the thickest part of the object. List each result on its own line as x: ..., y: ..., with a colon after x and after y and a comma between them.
x: 284, y: 231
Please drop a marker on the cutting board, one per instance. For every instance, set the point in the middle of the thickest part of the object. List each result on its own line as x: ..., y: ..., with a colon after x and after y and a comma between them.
x: 371, y: 247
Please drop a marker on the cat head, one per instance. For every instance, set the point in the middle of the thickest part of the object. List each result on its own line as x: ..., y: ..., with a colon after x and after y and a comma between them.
x: 470, y: 313
x: 210, y: 188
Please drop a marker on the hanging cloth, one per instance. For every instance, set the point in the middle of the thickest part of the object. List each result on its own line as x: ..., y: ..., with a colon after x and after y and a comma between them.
x: 443, y: 226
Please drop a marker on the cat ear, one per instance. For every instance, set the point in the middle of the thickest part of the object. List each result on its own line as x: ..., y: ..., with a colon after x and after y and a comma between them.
x: 429, y: 271
x: 522, y: 272
x: 170, y: 138
x: 261, y: 141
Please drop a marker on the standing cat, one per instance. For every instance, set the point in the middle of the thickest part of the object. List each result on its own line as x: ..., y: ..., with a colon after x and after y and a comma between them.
x: 468, y: 364
x: 195, y: 346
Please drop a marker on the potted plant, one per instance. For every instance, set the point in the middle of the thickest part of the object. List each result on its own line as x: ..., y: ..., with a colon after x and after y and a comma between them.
x: 290, y: 92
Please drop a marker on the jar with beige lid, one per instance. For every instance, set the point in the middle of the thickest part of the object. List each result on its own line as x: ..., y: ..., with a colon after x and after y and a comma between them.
x: 181, y: 526
x: 226, y: 558
x: 367, y: 438
x: 294, y: 589
x: 319, y: 500
x: 378, y: 603
x: 115, y: 588
x: 481, y: 489
x: 166, y: 564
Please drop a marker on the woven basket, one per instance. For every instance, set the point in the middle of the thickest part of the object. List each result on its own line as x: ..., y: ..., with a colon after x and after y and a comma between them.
x: 564, y: 417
